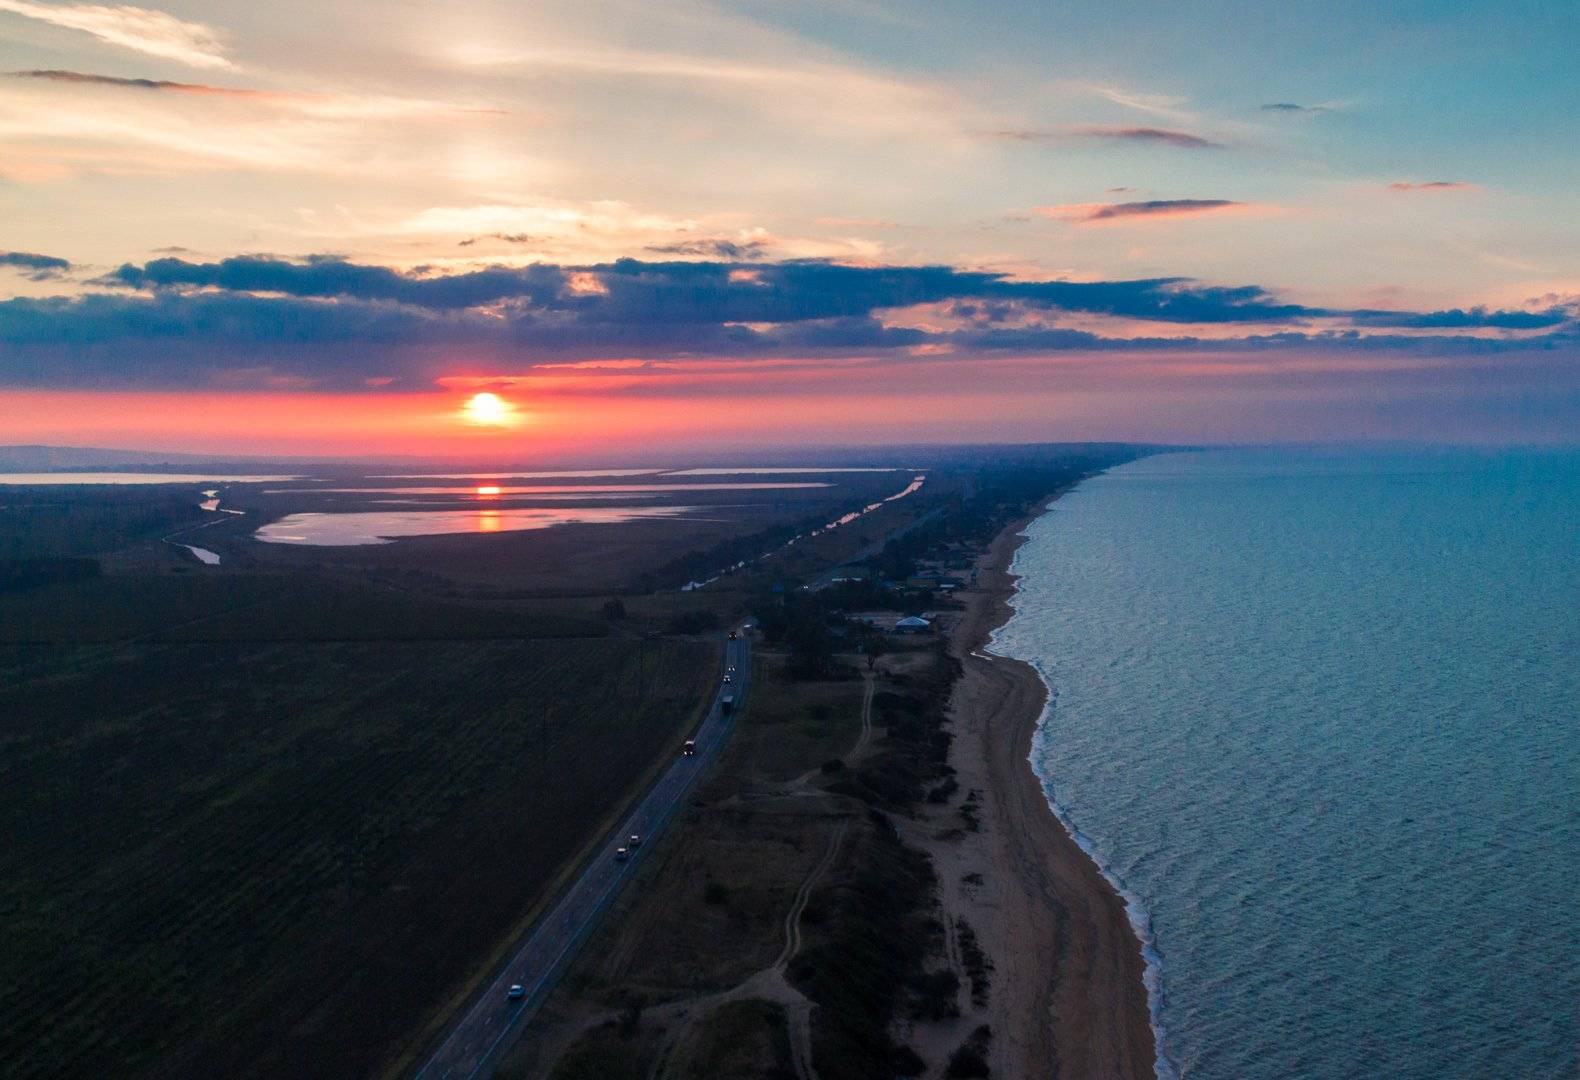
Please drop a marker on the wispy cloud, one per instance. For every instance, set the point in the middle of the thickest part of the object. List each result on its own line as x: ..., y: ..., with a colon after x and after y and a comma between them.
x: 1150, y: 208
x: 508, y: 238
x: 83, y: 78
x: 1115, y: 133
x: 1168, y: 136
x: 833, y: 94
x: 141, y: 29
x: 1292, y: 107
x: 36, y: 267
x: 1157, y: 104
x: 56, y: 124
x: 735, y: 249
x: 1431, y: 185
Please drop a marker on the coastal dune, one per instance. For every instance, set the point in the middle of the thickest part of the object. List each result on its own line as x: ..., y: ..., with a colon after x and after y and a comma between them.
x: 1068, y: 998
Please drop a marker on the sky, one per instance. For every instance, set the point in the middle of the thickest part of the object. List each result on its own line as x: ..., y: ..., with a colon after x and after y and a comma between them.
x: 325, y: 228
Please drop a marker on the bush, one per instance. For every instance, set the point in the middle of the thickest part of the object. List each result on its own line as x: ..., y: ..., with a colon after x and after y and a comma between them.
x: 936, y: 995
x: 694, y: 622
x: 971, y: 1059
x: 715, y: 893
x: 967, y: 1061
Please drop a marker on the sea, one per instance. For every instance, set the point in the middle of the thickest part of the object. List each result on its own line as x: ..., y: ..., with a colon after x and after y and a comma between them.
x: 1316, y: 713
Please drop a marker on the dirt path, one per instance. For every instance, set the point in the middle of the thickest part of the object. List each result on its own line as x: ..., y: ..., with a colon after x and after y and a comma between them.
x: 871, y: 679
x: 770, y: 984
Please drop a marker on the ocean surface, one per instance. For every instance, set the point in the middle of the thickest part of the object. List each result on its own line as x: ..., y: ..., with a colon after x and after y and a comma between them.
x: 1318, y: 715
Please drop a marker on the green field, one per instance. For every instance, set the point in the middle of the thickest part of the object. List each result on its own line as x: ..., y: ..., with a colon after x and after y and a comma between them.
x: 270, y: 858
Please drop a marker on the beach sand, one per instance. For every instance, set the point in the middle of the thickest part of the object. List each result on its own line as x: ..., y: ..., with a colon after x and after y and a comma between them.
x: 1066, y: 995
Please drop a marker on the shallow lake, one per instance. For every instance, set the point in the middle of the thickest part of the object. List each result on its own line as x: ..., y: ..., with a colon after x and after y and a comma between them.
x: 346, y: 530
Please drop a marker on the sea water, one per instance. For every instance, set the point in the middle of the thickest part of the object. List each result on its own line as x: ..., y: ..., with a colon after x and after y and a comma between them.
x: 1318, y: 715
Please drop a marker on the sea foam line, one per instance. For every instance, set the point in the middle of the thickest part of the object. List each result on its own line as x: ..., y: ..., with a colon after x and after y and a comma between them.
x: 1135, y: 908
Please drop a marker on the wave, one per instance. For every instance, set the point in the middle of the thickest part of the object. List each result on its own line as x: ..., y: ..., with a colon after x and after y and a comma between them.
x: 1135, y: 908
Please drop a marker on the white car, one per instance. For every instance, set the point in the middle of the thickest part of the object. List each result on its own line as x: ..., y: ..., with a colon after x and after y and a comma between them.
x: 635, y: 841
x: 516, y: 992
x: 621, y: 854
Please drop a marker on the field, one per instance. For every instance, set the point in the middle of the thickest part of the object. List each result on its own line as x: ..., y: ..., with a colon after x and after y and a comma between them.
x: 230, y: 856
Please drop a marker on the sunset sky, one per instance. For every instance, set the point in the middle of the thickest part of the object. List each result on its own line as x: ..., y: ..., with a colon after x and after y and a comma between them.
x: 324, y: 228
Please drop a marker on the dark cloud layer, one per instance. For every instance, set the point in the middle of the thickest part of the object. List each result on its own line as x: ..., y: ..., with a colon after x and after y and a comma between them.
x: 332, y: 323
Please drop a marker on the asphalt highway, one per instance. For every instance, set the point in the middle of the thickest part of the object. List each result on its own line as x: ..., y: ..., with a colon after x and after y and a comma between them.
x: 492, y: 1020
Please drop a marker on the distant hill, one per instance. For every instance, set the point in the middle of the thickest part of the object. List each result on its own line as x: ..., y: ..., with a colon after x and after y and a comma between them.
x: 68, y: 458
x: 31, y: 458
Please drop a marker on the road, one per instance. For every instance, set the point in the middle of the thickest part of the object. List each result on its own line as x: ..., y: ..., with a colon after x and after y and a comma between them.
x: 476, y: 1044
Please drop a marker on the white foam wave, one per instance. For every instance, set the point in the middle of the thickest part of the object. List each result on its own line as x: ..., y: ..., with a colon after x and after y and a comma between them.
x: 1135, y: 908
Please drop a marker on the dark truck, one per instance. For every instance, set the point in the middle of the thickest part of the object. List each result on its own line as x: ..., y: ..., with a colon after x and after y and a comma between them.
x: 727, y: 704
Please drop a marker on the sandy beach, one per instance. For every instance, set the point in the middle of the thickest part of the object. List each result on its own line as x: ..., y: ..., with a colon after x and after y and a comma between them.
x: 1067, y: 997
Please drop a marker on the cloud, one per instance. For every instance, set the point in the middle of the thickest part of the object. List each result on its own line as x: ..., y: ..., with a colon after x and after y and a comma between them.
x: 1150, y: 208
x: 1431, y: 185
x: 141, y: 29
x: 780, y: 74
x: 1157, y: 104
x: 36, y: 267
x: 328, y: 323
x: 1291, y: 107
x: 1165, y: 136
x: 88, y: 79
x: 509, y: 238
x: 63, y: 123
x: 717, y: 248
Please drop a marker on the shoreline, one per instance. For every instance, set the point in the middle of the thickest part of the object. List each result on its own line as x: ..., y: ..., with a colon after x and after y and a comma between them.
x: 1070, y: 995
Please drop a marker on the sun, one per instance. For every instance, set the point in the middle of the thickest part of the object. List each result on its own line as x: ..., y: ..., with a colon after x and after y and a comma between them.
x: 488, y: 410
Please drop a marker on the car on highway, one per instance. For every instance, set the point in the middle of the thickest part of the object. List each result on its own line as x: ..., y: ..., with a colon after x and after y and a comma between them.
x: 728, y: 678
x: 621, y: 854
x: 635, y: 841
x: 516, y: 992
x: 690, y: 748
